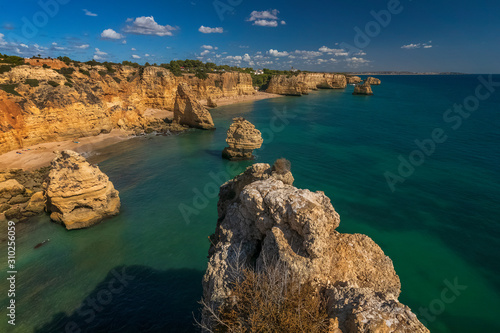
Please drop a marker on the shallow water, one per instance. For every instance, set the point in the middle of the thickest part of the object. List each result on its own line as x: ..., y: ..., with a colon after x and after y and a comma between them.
x: 439, y: 227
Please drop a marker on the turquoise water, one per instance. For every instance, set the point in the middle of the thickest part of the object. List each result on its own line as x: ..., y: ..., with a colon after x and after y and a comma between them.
x: 440, y: 226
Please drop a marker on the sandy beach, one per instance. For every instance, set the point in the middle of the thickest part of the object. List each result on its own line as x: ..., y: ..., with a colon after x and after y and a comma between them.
x: 40, y: 155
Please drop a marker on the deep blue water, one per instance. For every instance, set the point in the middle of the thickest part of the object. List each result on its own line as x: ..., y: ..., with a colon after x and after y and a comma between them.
x: 440, y: 226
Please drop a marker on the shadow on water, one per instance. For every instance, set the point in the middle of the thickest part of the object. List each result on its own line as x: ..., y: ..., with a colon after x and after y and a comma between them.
x: 135, y: 299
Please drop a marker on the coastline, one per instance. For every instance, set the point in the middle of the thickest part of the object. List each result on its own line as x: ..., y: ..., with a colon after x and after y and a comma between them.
x: 40, y: 155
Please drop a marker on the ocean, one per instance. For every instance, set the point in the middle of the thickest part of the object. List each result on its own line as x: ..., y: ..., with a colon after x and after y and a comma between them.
x: 400, y: 166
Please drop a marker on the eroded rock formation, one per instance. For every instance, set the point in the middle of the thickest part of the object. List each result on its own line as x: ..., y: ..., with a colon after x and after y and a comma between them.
x: 69, y: 102
x: 242, y: 138
x: 188, y: 111
x: 363, y: 89
x: 301, y: 84
x: 353, y: 79
x: 262, y: 217
x: 78, y: 194
x: 373, y: 81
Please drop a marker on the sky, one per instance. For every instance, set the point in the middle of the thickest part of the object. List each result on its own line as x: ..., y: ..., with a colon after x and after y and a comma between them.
x: 333, y: 36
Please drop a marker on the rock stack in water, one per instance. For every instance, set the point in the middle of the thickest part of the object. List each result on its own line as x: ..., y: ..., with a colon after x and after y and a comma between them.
x: 353, y: 79
x: 363, y: 89
x: 188, y: 111
x: 373, y: 81
x: 78, y: 194
x: 263, y: 218
x: 242, y: 138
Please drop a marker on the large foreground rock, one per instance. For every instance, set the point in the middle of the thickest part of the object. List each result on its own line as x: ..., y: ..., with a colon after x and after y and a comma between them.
x: 263, y: 217
x: 188, y: 111
x: 78, y: 194
x: 242, y: 138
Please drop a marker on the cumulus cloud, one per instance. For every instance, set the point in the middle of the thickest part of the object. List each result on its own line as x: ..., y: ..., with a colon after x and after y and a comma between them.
x: 89, y: 13
x: 330, y: 51
x: 204, y: 53
x: 308, y: 54
x: 83, y: 46
x: 146, y: 25
x: 133, y: 49
x: 276, y: 53
x: 135, y: 56
x: 98, y: 57
x: 111, y: 34
x: 209, y: 47
x: 208, y: 30
x: 99, y: 52
x: 266, y: 18
x: 238, y: 58
x: 356, y: 62
x: 247, y: 58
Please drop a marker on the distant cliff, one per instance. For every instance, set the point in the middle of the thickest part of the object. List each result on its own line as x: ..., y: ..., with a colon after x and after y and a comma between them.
x: 301, y: 84
x: 40, y: 104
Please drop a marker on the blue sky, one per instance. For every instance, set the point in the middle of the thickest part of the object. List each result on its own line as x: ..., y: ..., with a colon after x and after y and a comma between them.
x: 418, y: 35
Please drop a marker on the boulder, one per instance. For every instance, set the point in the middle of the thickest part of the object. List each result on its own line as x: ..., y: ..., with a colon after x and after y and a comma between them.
x: 77, y: 193
x: 363, y: 89
x: 36, y: 203
x: 11, y: 188
x: 188, y: 111
x: 263, y: 218
x: 211, y: 103
x: 242, y: 138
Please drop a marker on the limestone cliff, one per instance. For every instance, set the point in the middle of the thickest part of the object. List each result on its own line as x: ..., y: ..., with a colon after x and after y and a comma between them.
x: 301, y: 84
x: 77, y: 193
x: 188, y: 111
x: 43, y: 104
x: 353, y: 79
x: 242, y: 138
x: 263, y: 217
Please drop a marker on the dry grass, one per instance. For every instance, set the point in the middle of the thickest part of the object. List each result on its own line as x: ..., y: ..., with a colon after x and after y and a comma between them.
x: 282, y: 165
x: 268, y: 300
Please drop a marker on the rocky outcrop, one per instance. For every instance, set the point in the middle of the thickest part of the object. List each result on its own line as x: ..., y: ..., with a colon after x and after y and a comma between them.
x: 301, y: 84
x: 69, y: 102
x: 78, y: 194
x: 372, y: 81
x: 188, y: 111
x: 242, y: 138
x: 363, y: 89
x: 353, y: 79
x: 263, y: 217
x: 21, y: 194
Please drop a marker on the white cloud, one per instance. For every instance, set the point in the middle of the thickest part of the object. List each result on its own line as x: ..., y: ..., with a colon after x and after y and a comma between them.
x: 209, y: 47
x: 427, y: 46
x: 411, y: 46
x: 98, y: 58
x: 308, y: 54
x: 360, y: 53
x: 330, y: 51
x: 356, y: 62
x: 23, y: 45
x: 146, y: 55
x: 276, y: 53
x: 59, y: 48
x: 83, y: 46
x: 135, y: 56
x: 89, y: 13
x: 204, y: 53
x: 238, y: 58
x: 266, y: 18
x: 124, y: 42
x: 208, y: 30
x: 111, y: 34
x: 133, y: 49
x: 146, y: 25
x: 247, y: 58
x: 266, y: 23
x: 99, y: 52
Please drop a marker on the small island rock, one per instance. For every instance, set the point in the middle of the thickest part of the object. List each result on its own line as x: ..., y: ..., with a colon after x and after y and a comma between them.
x: 363, y: 89
x: 242, y: 138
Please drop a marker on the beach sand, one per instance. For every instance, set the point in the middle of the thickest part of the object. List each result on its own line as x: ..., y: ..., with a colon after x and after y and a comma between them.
x: 42, y: 154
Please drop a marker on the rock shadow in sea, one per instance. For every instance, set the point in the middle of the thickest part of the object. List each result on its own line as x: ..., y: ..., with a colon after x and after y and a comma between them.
x: 135, y: 299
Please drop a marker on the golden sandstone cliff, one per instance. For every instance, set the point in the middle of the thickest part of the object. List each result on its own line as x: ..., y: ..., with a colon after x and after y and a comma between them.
x: 265, y: 222
x: 301, y: 84
x: 45, y: 104
x: 188, y: 111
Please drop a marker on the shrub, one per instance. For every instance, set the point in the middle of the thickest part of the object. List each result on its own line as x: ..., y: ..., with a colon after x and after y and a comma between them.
x: 282, y: 165
x: 84, y: 72
x: 102, y: 73
x: 31, y: 82
x: 117, y: 80
x: 10, y: 89
x: 201, y: 75
x: 269, y: 299
x: 68, y: 84
x: 159, y: 74
x: 66, y: 71
x: 45, y: 66
x: 5, y: 69
x: 53, y: 84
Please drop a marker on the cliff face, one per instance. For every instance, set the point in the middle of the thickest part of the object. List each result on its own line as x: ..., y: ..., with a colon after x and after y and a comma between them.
x: 188, y: 111
x: 85, y: 100
x: 301, y: 84
x: 263, y: 217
